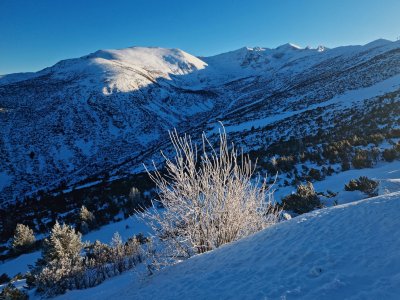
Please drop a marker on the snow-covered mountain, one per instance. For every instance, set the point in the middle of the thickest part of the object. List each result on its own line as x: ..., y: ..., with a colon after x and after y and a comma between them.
x: 104, y: 114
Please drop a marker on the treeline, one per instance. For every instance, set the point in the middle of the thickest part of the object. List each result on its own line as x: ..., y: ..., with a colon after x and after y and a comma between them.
x: 348, y: 153
x: 350, y: 138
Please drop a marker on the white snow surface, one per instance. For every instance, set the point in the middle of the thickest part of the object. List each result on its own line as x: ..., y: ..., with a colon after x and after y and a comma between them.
x: 387, y: 174
x: 344, y: 252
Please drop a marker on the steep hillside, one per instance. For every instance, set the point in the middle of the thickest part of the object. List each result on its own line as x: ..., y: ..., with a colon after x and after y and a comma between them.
x: 102, y: 115
x: 344, y: 252
x: 84, y: 115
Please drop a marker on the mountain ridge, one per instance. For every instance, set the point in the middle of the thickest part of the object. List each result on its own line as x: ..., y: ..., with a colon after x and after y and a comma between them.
x: 112, y: 109
x: 288, y: 46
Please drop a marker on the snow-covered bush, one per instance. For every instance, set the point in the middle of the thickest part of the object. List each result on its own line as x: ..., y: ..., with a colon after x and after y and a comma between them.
x: 209, y: 198
x: 304, y: 200
x: 87, y: 220
x: 61, y: 261
x: 23, y: 239
x: 103, y: 261
x: 133, y: 201
x: 67, y: 263
x: 10, y: 292
x: 64, y: 242
x: 363, y: 184
x: 58, y: 276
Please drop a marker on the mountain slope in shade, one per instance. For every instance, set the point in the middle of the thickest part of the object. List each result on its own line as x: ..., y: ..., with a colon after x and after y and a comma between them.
x: 104, y: 114
x: 344, y: 252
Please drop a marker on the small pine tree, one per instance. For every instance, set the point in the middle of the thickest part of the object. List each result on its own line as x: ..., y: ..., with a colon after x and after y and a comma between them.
x: 99, y: 254
x: 118, y: 251
x: 363, y: 184
x: 116, y: 240
x: 304, y: 200
x: 86, y: 215
x: 133, y: 202
x: 10, y: 292
x: 315, y: 174
x: 61, y: 262
x: 63, y: 242
x: 24, y: 239
x: 87, y: 220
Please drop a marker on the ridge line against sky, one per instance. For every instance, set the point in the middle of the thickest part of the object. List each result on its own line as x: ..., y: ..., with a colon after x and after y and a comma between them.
x: 37, y: 34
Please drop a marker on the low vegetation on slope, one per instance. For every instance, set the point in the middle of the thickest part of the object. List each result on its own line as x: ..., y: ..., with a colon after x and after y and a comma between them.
x: 206, y: 200
x: 344, y: 252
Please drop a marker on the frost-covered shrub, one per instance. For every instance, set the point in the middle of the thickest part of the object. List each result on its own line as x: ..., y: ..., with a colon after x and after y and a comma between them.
x: 61, y: 261
x: 304, y: 200
x: 10, y: 292
x: 67, y: 263
x: 103, y: 261
x: 87, y: 220
x: 134, y: 201
x: 23, y: 239
x: 209, y: 199
x: 64, y: 242
x: 363, y: 184
x: 58, y: 276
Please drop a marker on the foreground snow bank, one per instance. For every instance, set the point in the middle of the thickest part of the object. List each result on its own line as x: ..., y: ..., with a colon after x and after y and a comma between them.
x: 350, y: 251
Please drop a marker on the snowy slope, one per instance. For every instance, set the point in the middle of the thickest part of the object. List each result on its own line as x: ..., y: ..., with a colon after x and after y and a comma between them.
x: 104, y: 114
x: 345, y: 252
x: 112, y: 103
x: 114, y: 66
x: 388, y: 175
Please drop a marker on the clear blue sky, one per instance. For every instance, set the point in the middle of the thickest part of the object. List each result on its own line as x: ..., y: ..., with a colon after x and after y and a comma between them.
x: 38, y: 33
